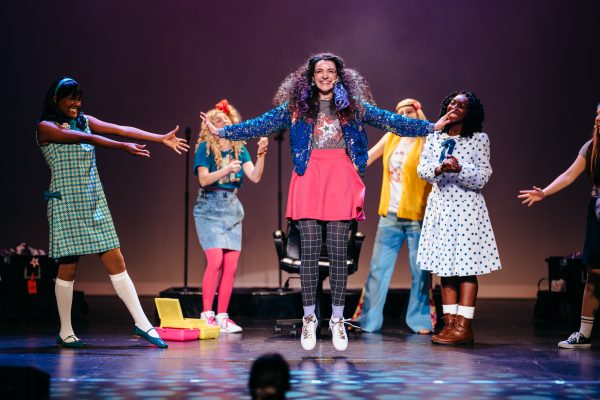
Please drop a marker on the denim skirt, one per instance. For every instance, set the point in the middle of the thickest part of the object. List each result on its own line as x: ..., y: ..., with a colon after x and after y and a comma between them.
x: 218, y: 216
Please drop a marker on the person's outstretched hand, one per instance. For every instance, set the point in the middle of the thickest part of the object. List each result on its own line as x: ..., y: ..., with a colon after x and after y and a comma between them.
x: 136, y: 149
x: 531, y: 196
x: 177, y: 144
x: 445, y: 120
x: 209, y: 124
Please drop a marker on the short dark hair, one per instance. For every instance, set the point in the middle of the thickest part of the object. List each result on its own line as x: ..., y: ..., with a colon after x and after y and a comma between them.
x: 473, y: 122
x: 269, y: 377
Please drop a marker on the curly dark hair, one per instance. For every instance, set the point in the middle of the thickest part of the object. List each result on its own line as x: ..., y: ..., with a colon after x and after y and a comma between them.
x: 299, y: 90
x: 473, y: 122
x: 51, y: 112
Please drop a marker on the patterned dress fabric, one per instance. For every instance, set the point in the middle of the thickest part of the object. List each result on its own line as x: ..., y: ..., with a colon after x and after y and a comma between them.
x: 79, y: 218
x: 457, y: 237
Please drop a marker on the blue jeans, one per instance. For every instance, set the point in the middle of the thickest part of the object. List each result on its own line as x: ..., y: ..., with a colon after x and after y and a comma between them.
x: 391, y: 233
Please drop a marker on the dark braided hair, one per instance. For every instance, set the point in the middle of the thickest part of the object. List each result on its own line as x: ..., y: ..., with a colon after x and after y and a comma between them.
x: 473, y: 121
x: 50, y: 110
x: 302, y: 95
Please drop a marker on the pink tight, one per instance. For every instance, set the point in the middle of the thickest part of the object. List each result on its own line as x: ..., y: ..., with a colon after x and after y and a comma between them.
x: 226, y: 262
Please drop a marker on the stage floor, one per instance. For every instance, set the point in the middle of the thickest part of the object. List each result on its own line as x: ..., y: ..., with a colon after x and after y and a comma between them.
x: 512, y: 358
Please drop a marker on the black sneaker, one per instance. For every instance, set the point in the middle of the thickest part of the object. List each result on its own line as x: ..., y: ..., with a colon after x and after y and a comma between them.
x: 576, y: 341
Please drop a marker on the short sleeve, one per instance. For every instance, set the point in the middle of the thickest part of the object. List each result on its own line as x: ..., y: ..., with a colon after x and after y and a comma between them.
x: 584, y: 148
x: 244, y: 155
x: 201, y: 159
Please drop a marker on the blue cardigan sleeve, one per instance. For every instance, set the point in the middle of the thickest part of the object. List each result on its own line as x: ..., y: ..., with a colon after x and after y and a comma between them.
x: 396, y: 123
x: 274, y: 120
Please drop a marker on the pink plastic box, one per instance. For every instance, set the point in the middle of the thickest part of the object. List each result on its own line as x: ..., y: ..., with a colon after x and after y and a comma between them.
x: 178, y: 335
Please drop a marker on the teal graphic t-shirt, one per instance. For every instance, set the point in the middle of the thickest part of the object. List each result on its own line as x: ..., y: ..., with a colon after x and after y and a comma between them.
x: 230, y: 181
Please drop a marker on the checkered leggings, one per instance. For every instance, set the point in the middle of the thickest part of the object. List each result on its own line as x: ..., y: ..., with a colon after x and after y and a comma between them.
x: 310, y: 249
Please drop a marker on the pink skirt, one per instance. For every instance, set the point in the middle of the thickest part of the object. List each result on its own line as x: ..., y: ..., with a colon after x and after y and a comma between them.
x: 329, y: 190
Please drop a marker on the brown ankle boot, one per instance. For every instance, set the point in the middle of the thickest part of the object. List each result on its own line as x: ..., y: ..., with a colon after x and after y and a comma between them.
x: 461, y: 334
x: 448, y: 326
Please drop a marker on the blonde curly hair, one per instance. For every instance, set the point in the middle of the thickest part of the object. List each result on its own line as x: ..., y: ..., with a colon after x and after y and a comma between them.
x: 212, y: 142
x: 414, y: 104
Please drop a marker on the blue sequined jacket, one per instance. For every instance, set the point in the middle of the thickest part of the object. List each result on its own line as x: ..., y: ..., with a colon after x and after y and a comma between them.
x: 280, y: 118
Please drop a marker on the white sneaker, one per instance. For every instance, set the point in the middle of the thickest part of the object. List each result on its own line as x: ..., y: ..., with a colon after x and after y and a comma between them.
x: 308, y: 336
x: 339, y: 337
x: 209, y: 317
x: 227, y: 325
x: 576, y: 341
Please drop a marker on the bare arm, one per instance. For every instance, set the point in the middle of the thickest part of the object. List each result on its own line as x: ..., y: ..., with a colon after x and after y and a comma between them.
x: 254, y: 172
x: 376, y: 151
x: 207, y: 178
x: 49, y: 132
x: 169, y: 139
x: 562, y: 181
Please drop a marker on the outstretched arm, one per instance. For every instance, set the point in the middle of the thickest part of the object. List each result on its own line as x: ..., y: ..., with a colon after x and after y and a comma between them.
x: 401, y: 125
x: 376, y: 151
x: 254, y: 172
x: 274, y: 120
x: 169, y: 139
x: 562, y: 181
x: 49, y: 132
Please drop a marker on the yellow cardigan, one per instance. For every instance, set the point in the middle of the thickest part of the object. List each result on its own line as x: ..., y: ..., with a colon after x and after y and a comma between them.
x: 414, y: 189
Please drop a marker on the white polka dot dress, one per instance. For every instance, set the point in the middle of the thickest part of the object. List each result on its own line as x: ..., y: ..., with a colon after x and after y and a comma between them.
x: 457, y: 237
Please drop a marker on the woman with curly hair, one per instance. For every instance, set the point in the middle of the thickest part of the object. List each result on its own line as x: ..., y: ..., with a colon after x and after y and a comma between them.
x: 401, y: 210
x: 80, y: 221
x: 325, y: 105
x: 220, y: 165
x: 587, y: 160
x: 457, y: 242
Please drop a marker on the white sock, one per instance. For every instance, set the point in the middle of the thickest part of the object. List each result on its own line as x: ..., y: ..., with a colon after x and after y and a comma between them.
x: 126, y: 292
x: 467, y: 312
x: 64, y: 299
x: 587, y: 323
x: 449, y: 308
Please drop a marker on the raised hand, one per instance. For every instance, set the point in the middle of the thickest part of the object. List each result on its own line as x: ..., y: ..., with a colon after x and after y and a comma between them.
x: 177, y: 144
x: 448, y: 118
x: 263, y: 144
x: 531, y: 196
x: 136, y: 149
x: 209, y: 124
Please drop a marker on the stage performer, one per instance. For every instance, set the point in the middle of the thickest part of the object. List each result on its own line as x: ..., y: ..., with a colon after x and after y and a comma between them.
x: 325, y: 106
x: 401, y: 210
x: 78, y: 214
x: 587, y: 160
x: 457, y: 242
x: 220, y: 165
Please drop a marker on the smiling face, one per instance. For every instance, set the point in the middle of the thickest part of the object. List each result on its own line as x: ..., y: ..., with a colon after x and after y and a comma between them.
x: 325, y: 76
x: 459, y: 106
x: 408, y: 111
x: 70, y: 106
x: 220, y: 120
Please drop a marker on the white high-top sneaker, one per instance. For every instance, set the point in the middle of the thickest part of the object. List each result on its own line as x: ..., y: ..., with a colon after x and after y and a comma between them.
x: 227, y: 325
x: 339, y: 337
x: 209, y: 317
x: 308, y: 336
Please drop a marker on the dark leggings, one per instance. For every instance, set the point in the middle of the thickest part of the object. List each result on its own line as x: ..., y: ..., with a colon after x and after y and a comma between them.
x: 310, y: 249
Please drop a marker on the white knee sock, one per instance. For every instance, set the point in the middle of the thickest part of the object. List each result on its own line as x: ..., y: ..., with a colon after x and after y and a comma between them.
x: 126, y: 292
x: 449, y: 308
x: 465, y: 311
x: 64, y: 299
x: 587, y: 323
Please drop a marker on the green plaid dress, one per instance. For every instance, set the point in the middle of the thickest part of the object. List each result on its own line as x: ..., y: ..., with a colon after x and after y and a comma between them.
x: 80, y: 222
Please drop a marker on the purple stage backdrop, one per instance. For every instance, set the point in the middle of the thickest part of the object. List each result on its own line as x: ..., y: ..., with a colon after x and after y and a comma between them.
x: 156, y: 64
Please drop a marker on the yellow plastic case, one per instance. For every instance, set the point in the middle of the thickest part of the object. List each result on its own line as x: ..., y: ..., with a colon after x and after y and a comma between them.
x: 169, y: 312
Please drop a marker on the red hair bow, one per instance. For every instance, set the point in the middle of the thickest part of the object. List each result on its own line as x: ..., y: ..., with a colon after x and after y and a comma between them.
x: 417, y: 105
x: 223, y: 105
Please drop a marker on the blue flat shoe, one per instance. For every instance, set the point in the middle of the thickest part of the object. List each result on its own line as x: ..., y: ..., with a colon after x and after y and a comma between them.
x: 75, y: 344
x: 158, y: 342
